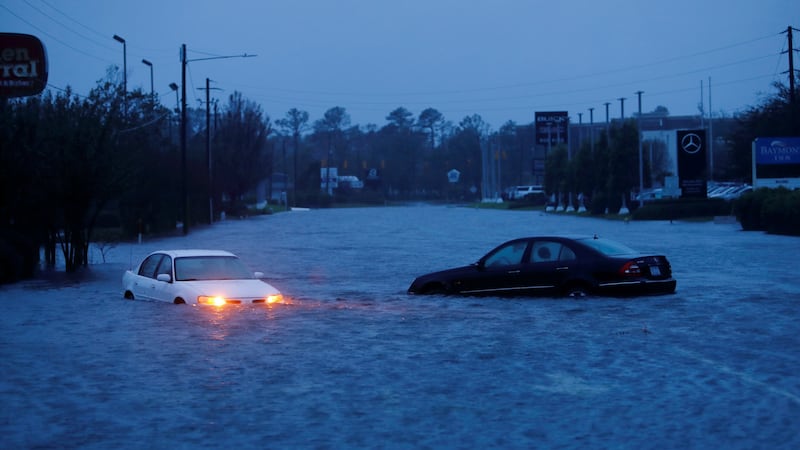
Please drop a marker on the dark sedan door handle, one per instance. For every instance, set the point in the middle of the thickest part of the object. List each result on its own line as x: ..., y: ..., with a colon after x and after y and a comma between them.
x: 562, y: 268
x: 514, y: 271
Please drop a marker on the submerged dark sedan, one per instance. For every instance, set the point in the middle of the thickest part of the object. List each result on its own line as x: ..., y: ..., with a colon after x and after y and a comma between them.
x: 555, y: 266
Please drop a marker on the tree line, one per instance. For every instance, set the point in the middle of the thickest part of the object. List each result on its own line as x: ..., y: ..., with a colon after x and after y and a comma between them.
x: 73, y: 166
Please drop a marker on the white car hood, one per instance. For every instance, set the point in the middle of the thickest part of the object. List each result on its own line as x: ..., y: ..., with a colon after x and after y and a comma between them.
x: 230, y: 288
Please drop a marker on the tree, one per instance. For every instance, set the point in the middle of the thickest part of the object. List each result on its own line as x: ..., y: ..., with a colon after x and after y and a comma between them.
x: 330, y: 127
x: 295, y: 123
x: 400, y: 147
x: 623, y: 161
x: 777, y: 116
x: 556, y: 172
x: 432, y: 120
x: 243, y: 157
x: 77, y: 153
x: 513, y: 155
x: 464, y: 149
x: 400, y: 118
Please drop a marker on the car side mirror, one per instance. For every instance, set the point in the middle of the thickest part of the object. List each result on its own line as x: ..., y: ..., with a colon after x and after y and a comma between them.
x: 259, y: 274
x: 165, y: 277
x: 480, y: 265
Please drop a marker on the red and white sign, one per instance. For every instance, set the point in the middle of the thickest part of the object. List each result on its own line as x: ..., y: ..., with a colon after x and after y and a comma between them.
x: 23, y: 65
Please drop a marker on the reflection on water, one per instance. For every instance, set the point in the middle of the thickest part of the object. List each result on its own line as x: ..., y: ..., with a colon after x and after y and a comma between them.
x: 352, y: 361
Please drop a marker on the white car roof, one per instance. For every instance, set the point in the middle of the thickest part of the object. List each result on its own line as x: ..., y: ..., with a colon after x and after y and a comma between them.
x: 180, y: 253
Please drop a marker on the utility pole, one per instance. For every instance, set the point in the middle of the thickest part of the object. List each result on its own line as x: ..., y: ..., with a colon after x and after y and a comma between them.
x: 184, y: 174
x: 607, y: 104
x: 209, y: 190
x: 641, y: 159
x: 710, y: 134
x: 621, y: 108
x: 591, y: 128
x: 184, y: 180
x: 580, y: 130
x: 790, y: 50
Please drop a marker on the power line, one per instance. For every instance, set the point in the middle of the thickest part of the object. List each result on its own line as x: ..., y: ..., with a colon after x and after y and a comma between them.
x: 90, y: 39
x: 53, y: 37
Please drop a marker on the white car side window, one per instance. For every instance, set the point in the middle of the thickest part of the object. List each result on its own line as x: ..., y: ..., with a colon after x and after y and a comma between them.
x: 149, y: 265
x: 165, y: 268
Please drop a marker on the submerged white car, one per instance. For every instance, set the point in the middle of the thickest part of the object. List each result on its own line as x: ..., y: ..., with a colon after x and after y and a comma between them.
x: 197, y: 277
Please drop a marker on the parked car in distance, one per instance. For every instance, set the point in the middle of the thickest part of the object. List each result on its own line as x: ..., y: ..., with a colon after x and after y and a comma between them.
x: 649, y: 194
x: 555, y: 266
x: 530, y: 192
x: 727, y: 190
x: 197, y: 277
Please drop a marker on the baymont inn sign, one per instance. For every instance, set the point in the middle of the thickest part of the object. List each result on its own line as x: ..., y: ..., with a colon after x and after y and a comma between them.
x: 776, y: 162
x: 23, y: 65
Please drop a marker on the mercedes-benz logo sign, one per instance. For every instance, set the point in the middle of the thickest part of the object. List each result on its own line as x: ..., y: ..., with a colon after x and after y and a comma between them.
x: 691, y: 143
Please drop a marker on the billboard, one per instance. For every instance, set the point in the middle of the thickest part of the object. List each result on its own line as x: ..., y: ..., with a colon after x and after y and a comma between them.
x: 23, y: 65
x: 692, y: 174
x: 552, y: 128
x: 776, y: 162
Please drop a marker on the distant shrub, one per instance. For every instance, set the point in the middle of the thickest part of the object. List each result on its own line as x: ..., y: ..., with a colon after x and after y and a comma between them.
x: 668, y: 209
x: 780, y: 212
x: 775, y: 211
x: 748, y: 209
x: 314, y: 199
x: 19, y: 255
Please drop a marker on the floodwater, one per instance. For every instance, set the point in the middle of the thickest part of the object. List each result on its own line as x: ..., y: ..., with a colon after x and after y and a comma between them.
x: 354, y: 362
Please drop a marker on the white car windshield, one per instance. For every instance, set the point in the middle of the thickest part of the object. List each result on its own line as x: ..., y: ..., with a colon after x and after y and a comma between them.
x: 210, y: 268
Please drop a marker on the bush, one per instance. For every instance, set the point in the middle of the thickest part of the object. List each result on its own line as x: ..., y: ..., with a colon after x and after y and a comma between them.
x: 772, y: 210
x: 780, y: 212
x: 669, y: 209
x: 314, y: 199
x: 19, y: 255
x: 359, y: 197
x: 748, y: 209
x: 601, y: 202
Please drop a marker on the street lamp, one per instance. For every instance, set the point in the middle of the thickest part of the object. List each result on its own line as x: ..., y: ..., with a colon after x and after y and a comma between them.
x: 591, y: 128
x: 174, y: 87
x: 149, y: 64
x: 124, y: 70
x: 641, y: 159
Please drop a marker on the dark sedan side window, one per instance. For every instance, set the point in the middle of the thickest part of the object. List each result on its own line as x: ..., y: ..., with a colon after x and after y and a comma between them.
x: 149, y: 266
x: 547, y: 251
x: 507, y: 255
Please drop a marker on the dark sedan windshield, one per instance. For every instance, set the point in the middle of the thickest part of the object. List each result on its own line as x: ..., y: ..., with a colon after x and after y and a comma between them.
x: 608, y: 247
x: 210, y: 268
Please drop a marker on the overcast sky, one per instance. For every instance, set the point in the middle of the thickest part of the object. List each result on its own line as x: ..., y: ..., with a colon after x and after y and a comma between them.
x: 501, y: 59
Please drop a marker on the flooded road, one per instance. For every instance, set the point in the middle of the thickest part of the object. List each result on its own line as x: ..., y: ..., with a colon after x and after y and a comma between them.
x: 354, y: 362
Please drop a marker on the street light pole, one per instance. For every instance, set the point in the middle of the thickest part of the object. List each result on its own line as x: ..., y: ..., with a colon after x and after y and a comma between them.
x: 124, y: 70
x: 591, y: 129
x: 174, y: 87
x: 184, y: 175
x: 641, y: 160
x: 208, y: 150
x: 184, y: 181
x: 149, y: 64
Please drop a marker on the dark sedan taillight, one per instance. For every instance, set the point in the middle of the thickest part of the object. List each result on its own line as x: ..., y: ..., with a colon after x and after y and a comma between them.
x: 630, y: 269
